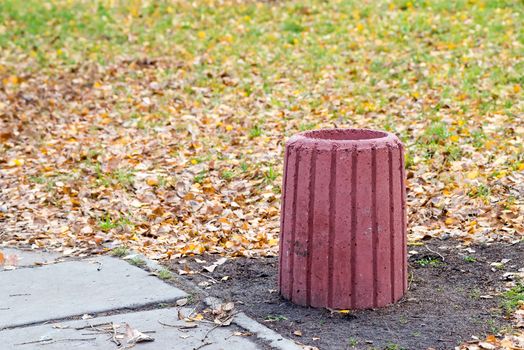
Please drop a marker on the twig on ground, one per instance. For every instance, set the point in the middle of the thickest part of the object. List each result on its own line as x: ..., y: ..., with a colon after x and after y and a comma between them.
x: 51, y: 341
x: 185, y: 326
x: 209, y: 331
x: 201, y: 346
x: 209, y: 277
x: 35, y: 342
x: 113, y: 335
x: 434, y: 252
x: 411, y: 278
x: 93, y: 325
x: 69, y: 339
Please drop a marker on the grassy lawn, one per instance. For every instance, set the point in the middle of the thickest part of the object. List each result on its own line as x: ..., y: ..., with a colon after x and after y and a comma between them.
x: 158, y: 125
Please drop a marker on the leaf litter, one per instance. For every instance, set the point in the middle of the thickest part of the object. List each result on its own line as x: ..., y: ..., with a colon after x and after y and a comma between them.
x: 176, y: 150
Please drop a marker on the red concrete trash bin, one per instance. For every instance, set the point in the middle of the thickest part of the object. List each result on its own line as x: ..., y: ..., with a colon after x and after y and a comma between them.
x: 343, y: 220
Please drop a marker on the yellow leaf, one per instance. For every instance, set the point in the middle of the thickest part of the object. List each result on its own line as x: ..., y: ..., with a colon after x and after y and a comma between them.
x: 197, y: 317
x: 490, y: 144
x: 201, y: 35
x: 516, y: 88
x: 272, y: 242
x: 152, y: 182
x: 473, y: 174
x: 454, y: 138
x: 224, y: 221
x: 491, y: 338
x: 501, y: 174
x: 344, y: 312
x: 13, y: 80
x: 229, y: 127
x: 449, y: 221
x: 521, y: 166
x: 15, y: 162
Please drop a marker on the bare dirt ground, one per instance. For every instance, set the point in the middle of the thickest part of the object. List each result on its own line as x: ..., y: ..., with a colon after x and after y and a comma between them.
x: 453, y: 295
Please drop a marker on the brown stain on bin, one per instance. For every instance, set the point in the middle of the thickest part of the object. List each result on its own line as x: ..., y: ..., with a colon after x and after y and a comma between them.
x: 343, y: 227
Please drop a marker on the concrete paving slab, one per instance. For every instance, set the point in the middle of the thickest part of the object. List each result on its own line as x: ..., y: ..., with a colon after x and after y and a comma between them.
x: 27, y: 258
x: 269, y: 336
x: 73, y: 288
x: 64, y: 336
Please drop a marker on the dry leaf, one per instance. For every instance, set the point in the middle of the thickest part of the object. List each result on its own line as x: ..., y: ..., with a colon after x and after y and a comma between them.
x: 134, y: 336
x: 181, y: 302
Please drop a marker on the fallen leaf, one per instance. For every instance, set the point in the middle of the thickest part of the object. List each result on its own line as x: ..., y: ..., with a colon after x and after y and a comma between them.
x: 487, y: 346
x: 182, y: 302
x: 134, y: 336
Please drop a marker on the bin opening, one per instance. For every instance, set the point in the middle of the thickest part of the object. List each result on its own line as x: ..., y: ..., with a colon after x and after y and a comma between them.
x: 345, y: 134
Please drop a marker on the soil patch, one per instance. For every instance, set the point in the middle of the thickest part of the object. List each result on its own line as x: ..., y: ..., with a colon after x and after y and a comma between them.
x: 453, y: 295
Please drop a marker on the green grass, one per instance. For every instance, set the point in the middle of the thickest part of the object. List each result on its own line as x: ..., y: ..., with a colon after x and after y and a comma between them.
x: 393, y: 346
x: 38, y: 179
x: 274, y: 318
x: 137, y: 261
x: 308, y: 37
x: 480, y: 191
x: 307, y: 126
x: 470, y: 259
x: 244, y: 167
x: 475, y: 293
x: 124, y: 177
x: 200, y: 177
x: 255, y: 131
x: 352, y: 342
x: 120, y: 251
x: 227, y: 175
x: 67, y: 32
x: 513, y: 298
x: 107, y: 223
x: 433, y: 262
x: 270, y: 175
x: 164, y: 274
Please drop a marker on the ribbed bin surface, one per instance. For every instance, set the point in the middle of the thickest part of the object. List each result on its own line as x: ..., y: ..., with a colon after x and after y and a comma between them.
x: 343, y: 227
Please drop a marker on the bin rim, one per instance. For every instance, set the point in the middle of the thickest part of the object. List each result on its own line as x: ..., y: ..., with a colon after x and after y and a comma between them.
x: 344, y: 137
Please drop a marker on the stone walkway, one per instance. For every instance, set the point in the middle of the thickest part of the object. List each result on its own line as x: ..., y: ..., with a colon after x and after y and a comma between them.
x: 99, y: 302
